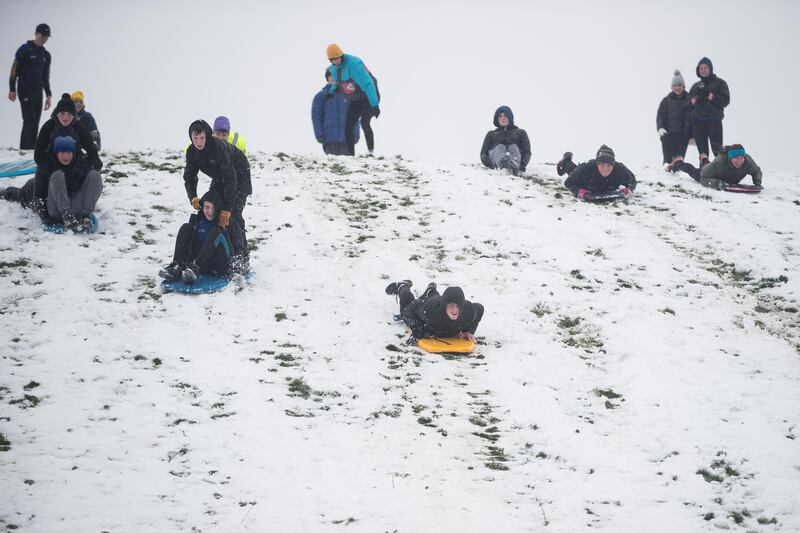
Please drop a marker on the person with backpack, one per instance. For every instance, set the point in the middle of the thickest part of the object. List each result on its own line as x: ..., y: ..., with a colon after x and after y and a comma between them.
x: 709, y: 97
x: 673, y: 122
x: 506, y: 146
x: 30, y: 75
x: 329, y: 116
x: 359, y: 85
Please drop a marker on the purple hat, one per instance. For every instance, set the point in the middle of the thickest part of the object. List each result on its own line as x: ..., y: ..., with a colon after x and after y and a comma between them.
x: 222, y: 123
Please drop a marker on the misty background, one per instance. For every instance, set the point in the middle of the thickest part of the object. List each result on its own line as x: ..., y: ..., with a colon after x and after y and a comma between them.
x: 575, y: 73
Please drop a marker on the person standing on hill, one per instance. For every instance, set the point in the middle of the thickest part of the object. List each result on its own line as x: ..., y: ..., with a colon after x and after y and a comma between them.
x: 30, y: 75
x: 709, y: 97
x: 673, y: 122
x: 359, y: 85
x: 328, y: 116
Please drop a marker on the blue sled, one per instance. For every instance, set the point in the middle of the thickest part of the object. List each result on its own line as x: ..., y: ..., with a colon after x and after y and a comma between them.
x: 203, y: 285
x: 17, y: 168
x: 59, y: 227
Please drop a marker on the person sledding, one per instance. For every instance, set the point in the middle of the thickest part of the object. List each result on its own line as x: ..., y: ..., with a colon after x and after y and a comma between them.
x: 506, y: 146
x: 202, y: 247
x: 432, y: 315
x: 728, y: 169
x: 673, y: 123
x: 67, y: 195
x: 86, y: 117
x: 329, y: 116
x: 351, y: 75
x: 598, y: 177
x: 64, y: 122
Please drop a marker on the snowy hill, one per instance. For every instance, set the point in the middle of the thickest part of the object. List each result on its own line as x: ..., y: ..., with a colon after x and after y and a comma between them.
x: 638, y: 364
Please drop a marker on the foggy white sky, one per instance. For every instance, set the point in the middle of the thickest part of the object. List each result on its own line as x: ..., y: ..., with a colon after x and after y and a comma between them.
x: 575, y: 73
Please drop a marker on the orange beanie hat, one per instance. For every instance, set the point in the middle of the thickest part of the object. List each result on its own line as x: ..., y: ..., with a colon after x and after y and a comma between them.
x: 334, y: 51
x: 77, y: 95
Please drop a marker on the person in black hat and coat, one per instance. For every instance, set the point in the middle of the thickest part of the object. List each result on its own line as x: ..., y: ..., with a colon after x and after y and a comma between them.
x: 603, y: 174
x: 30, y: 75
x: 432, y: 315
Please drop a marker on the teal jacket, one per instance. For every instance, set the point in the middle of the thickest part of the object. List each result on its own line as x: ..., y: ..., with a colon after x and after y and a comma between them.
x: 353, y: 76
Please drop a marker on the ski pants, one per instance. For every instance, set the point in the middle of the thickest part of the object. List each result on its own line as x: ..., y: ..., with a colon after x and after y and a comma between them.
x: 497, y: 153
x: 335, y: 148
x: 213, y: 256
x: 358, y: 110
x: 674, y: 144
x: 80, y: 202
x: 31, y: 105
x: 705, y: 131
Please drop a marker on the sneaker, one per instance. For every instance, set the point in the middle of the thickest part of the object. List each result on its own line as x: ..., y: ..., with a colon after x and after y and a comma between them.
x: 171, y: 272
x: 370, y: 154
x: 560, y: 166
x: 431, y: 288
x: 71, y: 223
x: 190, y: 273
x: 703, y: 160
x: 394, y: 287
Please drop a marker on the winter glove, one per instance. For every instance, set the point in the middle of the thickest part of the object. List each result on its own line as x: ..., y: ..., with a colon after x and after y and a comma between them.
x: 626, y: 191
x: 582, y: 193
x: 376, y: 111
x: 320, y: 139
x: 196, y: 203
x: 97, y: 164
x: 661, y: 132
x: 224, y: 219
x: 692, y: 142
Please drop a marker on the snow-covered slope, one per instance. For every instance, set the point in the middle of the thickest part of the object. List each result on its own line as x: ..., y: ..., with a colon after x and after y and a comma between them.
x: 638, y: 367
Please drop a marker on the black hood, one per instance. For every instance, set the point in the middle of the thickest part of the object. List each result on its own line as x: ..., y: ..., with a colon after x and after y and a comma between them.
x: 205, y: 127
x: 708, y: 62
x: 453, y: 295
x: 214, y: 198
x: 503, y: 109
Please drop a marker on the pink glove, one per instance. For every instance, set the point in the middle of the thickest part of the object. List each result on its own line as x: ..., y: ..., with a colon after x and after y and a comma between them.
x: 626, y: 191
x: 582, y: 193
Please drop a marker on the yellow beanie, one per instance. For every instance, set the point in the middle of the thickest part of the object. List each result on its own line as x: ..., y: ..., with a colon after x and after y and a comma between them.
x: 334, y: 51
x: 77, y: 95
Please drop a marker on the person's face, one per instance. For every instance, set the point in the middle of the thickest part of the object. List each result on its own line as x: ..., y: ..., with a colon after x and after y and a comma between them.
x: 738, y: 161
x: 678, y: 89
x: 704, y: 70
x: 65, y: 117
x: 40, y: 39
x: 452, y: 311
x: 208, y: 210
x: 65, y: 158
x: 337, y: 61
x: 78, y: 104
x: 221, y: 134
x: 199, y: 140
x: 502, y: 120
x: 605, y: 168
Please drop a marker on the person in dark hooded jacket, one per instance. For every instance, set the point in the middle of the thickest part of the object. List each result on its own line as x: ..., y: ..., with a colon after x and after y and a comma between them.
x: 64, y: 122
x: 673, y: 122
x: 202, y: 246
x: 432, y: 315
x: 329, y: 116
x: 709, y: 97
x: 600, y: 175
x: 70, y: 192
x: 507, y: 146
x: 213, y: 157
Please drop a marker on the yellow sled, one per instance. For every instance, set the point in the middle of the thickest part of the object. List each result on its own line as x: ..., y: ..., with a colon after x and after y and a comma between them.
x: 437, y: 345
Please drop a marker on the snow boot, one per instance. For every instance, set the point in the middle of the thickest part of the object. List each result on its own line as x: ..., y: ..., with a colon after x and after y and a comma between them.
x: 562, y: 165
x: 429, y: 290
x: 190, y: 273
x: 10, y: 194
x: 171, y: 272
x: 71, y: 223
x: 394, y: 287
x: 87, y: 224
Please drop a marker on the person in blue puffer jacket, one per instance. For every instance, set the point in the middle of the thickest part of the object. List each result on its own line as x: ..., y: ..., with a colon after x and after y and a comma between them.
x: 361, y: 88
x: 329, y: 115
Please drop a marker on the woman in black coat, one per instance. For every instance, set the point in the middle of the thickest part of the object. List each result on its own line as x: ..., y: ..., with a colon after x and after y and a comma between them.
x: 673, y: 122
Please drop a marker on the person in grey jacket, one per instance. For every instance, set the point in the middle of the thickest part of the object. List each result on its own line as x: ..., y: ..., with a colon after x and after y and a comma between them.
x: 673, y: 123
x: 731, y: 166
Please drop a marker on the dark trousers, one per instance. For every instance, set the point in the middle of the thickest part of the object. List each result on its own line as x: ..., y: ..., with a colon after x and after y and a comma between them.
x: 214, y: 255
x: 409, y: 304
x: 689, y: 169
x: 31, y: 113
x: 335, y: 148
x: 705, y: 131
x: 238, y: 208
x: 358, y: 110
x: 674, y: 144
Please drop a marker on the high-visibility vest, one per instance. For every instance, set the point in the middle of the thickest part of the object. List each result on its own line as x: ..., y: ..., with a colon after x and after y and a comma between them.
x: 238, y: 141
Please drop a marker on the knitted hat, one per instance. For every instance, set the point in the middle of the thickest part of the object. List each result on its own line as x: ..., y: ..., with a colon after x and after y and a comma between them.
x: 77, y: 95
x: 334, y: 51
x: 64, y: 143
x: 222, y: 123
x: 605, y: 155
x: 735, y: 150
x: 65, y: 104
x: 677, y: 78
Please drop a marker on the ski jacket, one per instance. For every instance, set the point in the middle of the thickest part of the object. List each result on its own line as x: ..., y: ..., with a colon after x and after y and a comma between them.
x: 76, y: 129
x: 722, y: 169
x: 91, y: 125
x: 586, y: 176
x: 674, y: 112
x: 216, y: 161
x: 237, y: 139
x: 30, y: 71
x: 75, y: 174
x: 355, y: 80
x: 507, y: 136
x: 329, y: 114
x: 704, y: 109
x: 242, y: 167
x: 432, y: 319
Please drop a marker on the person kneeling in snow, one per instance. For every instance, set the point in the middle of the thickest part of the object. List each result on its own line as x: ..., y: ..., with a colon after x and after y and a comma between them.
x: 432, y: 315
x: 202, y: 247
x: 730, y: 167
x: 603, y: 174
x: 507, y: 146
x: 69, y: 194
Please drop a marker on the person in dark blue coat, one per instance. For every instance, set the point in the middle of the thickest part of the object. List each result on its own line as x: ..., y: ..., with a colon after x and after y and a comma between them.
x: 30, y: 75
x: 329, y: 116
x: 86, y: 117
